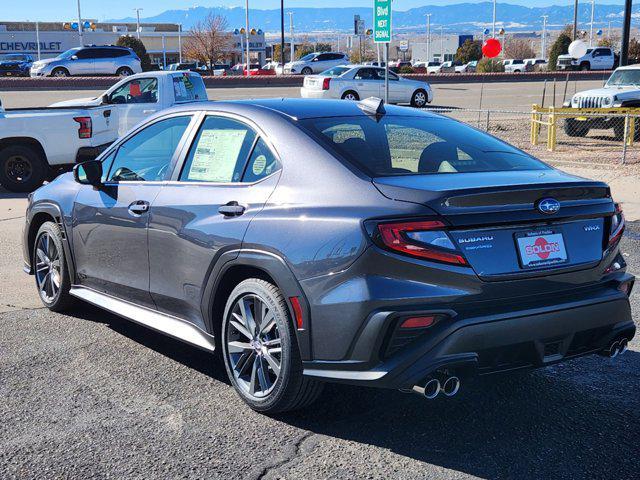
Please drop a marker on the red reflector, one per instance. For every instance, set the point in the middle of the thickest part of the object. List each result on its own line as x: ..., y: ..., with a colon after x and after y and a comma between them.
x: 418, y: 322
x: 297, y: 311
x: 85, y: 129
x: 325, y: 83
x: 626, y: 287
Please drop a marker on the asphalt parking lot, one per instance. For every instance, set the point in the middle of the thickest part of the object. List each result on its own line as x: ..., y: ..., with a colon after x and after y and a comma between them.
x: 89, y: 395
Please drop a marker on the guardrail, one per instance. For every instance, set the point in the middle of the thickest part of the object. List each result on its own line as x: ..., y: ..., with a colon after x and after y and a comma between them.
x: 78, y: 83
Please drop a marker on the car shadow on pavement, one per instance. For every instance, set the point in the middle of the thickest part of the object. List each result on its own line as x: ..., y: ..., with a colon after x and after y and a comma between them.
x: 577, y: 420
x: 190, y: 356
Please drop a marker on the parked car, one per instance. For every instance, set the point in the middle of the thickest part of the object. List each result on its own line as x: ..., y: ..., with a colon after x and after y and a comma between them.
x: 315, y: 63
x: 448, y: 67
x: 425, y: 251
x: 355, y: 82
x: 15, y: 64
x: 277, y: 67
x: 600, y: 58
x: 536, y: 64
x: 38, y: 143
x: 260, y: 71
x: 241, y: 69
x: 433, y: 67
x: 93, y: 60
x: 469, y: 67
x: 622, y: 90
x: 398, y: 65
x: 514, y: 65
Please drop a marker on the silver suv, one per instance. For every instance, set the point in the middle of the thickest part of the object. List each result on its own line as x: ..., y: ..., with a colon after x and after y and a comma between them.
x: 92, y: 60
x: 315, y: 63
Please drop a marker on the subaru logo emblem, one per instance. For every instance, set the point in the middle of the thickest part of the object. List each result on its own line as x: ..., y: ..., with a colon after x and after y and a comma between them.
x: 549, y: 206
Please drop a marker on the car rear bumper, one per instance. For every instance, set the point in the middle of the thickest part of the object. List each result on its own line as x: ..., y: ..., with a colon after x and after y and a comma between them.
x: 309, y: 93
x: 490, y: 343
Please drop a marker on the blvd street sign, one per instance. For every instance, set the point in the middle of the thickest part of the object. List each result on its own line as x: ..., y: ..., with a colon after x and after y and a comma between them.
x: 382, y: 21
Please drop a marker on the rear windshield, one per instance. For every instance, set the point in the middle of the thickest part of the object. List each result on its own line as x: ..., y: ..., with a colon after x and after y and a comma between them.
x: 189, y: 88
x: 335, y: 71
x: 397, y: 145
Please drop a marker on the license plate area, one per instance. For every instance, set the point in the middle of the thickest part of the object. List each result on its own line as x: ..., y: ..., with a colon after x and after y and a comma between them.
x: 539, y: 249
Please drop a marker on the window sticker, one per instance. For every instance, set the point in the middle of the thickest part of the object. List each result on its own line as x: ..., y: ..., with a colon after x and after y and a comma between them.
x: 216, y: 155
x: 259, y: 165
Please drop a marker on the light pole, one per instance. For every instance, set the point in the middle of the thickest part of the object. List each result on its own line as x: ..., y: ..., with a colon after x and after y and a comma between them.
x: 575, y: 19
x: 441, y: 44
x: 291, y: 35
x: 428, y: 37
x: 180, y: 42
x: 626, y: 31
x: 137, y: 10
x: 593, y: 13
x: 38, y: 38
x: 544, y: 35
x: 246, y: 18
x: 282, y: 33
x: 80, y: 26
x: 494, y: 20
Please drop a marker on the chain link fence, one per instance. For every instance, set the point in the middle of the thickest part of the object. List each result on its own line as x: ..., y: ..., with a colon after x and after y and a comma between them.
x: 583, y: 138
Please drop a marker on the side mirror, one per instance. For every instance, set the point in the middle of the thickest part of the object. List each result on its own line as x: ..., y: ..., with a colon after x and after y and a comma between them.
x: 105, y: 99
x: 88, y: 173
x: 74, y: 57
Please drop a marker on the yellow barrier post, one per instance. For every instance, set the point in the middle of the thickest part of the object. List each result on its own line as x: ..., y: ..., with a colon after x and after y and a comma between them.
x: 535, y: 124
x: 632, y: 131
x: 551, y: 137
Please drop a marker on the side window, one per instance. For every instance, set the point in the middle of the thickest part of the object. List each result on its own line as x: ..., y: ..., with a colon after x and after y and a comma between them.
x: 219, y: 152
x: 324, y: 56
x: 262, y: 163
x: 106, y: 165
x: 365, y: 74
x: 86, y: 53
x: 187, y: 88
x: 147, y: 155
x: 140, y: 90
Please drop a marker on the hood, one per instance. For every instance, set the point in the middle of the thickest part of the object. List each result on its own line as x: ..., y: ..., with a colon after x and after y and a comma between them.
x: 297, y: 63
x: 78, y: 102
x: 12, y: 62
x: 46, y: 61
x: 615, y: 94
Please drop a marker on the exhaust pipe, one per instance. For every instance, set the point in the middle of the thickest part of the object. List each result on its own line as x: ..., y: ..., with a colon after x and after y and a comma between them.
x: 623, y: 346
x: 451, y: 386
x: 430, y: 390
x: 613, y: 350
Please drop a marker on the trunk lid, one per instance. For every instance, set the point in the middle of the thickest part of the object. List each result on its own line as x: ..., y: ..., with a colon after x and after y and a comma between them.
x: 498, y: 219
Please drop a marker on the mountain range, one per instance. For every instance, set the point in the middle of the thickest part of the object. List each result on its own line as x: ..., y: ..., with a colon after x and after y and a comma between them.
x: 460, y: 17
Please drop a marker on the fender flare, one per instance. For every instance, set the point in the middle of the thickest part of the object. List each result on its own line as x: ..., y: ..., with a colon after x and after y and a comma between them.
x: 54, y: 211
x: 276, y: 267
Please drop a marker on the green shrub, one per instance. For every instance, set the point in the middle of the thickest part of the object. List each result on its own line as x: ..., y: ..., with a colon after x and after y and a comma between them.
x: 490, y: 65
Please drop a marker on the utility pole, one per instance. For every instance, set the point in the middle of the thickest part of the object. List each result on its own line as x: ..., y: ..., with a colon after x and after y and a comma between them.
x: 593, y: 14
x: 428, y: 37
x: 575, y: 19
x: 246, y: 19
x: 544, y: 36
x: 180, y: 43
x: 282, y: 34
x: 626, y: 31
x: 137, y: 10
x: 291, y: 35
x: 441, y: 45
x: 494, y: 19
x: 80, y: 26
x: 38, y: 38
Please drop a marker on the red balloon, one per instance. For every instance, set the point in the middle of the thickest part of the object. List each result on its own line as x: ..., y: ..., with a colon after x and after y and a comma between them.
x: 491, y: 48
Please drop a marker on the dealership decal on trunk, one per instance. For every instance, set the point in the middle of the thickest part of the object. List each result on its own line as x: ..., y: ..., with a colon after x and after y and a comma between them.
x: 539, y: 249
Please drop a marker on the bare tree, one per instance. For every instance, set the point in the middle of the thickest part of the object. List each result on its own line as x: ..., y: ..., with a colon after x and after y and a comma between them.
x: 518, y: 48
x: 209, y: 41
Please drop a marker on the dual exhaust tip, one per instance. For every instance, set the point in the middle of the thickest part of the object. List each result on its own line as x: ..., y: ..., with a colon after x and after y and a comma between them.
x: 617, y: 348
x: 447, y: 385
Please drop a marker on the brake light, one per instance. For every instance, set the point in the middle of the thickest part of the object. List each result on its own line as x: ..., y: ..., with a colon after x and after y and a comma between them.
x: 617, y: 228
x: 423, y: 239
x: 85, y: 130
x: 325, y: 83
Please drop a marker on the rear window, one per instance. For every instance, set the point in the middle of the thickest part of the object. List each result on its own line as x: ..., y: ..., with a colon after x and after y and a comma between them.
x: 397, y: 145
x: 335, y: 71
x: 189, y: 88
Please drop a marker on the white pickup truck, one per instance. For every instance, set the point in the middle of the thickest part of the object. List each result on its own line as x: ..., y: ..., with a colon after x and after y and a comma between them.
x: 599, y: 58
x: 38, y: 143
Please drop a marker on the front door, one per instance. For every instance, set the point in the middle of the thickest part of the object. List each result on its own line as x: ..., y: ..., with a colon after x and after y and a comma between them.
x: 83, y: 63
x: 227, y: 176
x: 110, y: 222
x: 135, y: 100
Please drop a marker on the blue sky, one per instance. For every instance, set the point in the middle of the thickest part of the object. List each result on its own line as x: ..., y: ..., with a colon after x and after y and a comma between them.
x: 45, y: 10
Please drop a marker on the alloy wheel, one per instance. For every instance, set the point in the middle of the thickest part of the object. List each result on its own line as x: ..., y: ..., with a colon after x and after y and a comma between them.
x: 254, y: 346
x: 48, y: 274
x: 18, y: 168
x: 350, y: 96
x: 420, y: 99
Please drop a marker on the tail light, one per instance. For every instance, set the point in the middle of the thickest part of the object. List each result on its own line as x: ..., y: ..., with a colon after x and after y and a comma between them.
x: 617, y: 228
x: 325, y: 83
x: 85, y: 130
x: 422, y: 239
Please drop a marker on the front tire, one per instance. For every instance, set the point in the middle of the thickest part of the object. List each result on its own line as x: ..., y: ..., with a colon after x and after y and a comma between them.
x: 260, y: 350
x: 419, y: 99
x: 50, y: 267
x: 60, y: 72
x: 22, y: 168
x: 350, y: 95
x: 306, y: 71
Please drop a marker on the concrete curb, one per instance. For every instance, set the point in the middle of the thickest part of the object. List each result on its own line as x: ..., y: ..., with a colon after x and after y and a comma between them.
x: 85, y: 83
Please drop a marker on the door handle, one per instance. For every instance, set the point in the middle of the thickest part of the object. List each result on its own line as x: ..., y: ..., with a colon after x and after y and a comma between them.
x: 139, y: 207
x: 231, y: 209
x: 148, y: 112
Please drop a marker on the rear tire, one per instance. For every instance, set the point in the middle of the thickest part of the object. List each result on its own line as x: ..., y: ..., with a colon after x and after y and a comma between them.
x: 260, y: 350
x: 124, y: 72
x: 574, y: 128
x: 50, y: 267
x: 22, y: 168
x: 419, y: 99
x: 60, y: 72
x: 351, y: 95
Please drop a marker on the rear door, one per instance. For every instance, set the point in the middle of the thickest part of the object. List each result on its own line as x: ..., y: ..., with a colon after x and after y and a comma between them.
x: 367, y: 83
x: 227, y: 175
x: 135, y: 100
x: 110, y: 222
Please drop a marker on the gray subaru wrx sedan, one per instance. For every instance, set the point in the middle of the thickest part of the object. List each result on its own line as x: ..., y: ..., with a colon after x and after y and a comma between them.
x: 318, y: 240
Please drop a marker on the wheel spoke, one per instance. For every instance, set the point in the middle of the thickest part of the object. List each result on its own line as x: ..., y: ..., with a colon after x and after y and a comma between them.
x: 238, y: 324
x: 272, y: 343
x: 238, y: 347
x: 55, y: 279
x: 264, y: 381
x: 41, y: 255
x: 273, y: 363
x: 247, y: 316
x: 243, y: 362
x: 275, y: 350
x: 268, y: 323
x: 253, y: 383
